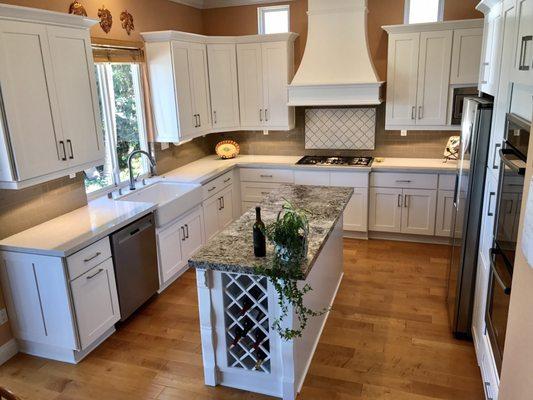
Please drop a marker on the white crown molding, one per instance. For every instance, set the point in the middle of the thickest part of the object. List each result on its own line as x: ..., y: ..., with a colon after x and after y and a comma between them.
x: 434, y: 26
x: 166, y: 36
x: 44, y: 16
x: 202, y: 4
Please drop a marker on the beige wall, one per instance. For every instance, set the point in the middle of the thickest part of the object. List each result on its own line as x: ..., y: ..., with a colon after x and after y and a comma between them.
x: 517, y: 368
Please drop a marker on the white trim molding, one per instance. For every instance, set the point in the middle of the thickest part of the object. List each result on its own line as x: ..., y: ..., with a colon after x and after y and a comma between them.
x: 8, y: 350
x: 335, y: 94
x: 164, y: 36
x: 19, y: 13
x: 434, y: 26
x: 203, y: 4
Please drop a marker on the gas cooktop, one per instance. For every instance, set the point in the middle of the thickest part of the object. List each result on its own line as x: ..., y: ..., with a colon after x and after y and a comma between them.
x: 341, y: 161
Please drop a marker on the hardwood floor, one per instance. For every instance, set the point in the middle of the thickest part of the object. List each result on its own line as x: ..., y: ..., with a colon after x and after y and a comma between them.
x: 387, y: 337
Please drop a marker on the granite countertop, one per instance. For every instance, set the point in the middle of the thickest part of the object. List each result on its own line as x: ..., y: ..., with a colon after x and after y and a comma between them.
x: 69, y: 233
x: 207, y: 168
x: 232, y: 249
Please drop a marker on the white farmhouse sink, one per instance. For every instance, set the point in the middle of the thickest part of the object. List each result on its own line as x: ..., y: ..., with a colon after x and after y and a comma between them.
x: 172, y: 199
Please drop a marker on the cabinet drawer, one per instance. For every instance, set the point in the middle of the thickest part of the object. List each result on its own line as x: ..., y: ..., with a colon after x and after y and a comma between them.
x: 312, y: 178
x: 256, y: 191
x: 404, y: 180
x: 447, y: 181
x: 267, y: 175
x: 349, y: 179
x: 89, y: 257
x: 217, y: 184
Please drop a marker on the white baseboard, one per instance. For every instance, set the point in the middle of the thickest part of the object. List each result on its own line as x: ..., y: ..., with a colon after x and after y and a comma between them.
x: 404, y: 237
x: 8, y: 350
x: 173, y: 278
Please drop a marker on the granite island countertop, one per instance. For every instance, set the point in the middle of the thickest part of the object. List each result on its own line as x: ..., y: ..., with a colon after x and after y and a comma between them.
x: 232, y: 249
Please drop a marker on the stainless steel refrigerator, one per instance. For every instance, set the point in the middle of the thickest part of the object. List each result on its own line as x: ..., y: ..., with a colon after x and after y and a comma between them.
x: 467, y: 211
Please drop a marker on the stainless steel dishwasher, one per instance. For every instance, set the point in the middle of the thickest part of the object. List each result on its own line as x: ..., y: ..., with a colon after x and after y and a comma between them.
x: 135, y: 259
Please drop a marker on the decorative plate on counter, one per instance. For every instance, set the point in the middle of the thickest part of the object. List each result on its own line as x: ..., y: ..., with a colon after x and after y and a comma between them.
x: 227, y: 149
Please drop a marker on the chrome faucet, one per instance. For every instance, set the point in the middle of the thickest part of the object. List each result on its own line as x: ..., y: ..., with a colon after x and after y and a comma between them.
x: 152, y: 166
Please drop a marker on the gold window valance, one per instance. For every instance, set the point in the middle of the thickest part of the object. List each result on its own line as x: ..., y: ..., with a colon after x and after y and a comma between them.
x: 109, y: 50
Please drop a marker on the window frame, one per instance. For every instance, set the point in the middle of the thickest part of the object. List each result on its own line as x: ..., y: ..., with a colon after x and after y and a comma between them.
x: 109, y: 124
x: 261, y: 16
x: 407, y: 9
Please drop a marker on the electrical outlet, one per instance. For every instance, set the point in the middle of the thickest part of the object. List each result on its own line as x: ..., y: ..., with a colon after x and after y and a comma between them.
x: 3, y: 316
x: 403, y: 132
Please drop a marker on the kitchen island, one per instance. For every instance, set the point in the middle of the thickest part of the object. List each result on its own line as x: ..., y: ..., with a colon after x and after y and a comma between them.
x: 234, y: 297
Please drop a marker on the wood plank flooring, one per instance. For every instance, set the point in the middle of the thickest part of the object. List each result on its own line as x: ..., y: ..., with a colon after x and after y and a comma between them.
x: 387, y: 337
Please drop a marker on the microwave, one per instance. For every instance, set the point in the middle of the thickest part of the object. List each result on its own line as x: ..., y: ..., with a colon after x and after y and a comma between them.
x: 458, y: 97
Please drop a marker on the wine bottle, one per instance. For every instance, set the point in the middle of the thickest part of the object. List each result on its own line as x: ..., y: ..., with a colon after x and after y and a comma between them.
x: 238, y: 336
x: 246, y: 304
x: 260, y: 359
x: 247, y: 326
x: 259, y: 235
x: 259, y: 336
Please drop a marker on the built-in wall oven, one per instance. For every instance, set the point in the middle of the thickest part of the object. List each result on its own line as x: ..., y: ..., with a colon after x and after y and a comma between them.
x: 510, y: 187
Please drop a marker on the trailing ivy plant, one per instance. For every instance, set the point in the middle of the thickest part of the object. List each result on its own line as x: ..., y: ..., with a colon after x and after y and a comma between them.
x: 289, y: 235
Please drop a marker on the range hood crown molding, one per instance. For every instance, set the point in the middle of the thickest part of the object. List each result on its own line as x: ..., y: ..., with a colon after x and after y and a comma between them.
x: 336, y: 68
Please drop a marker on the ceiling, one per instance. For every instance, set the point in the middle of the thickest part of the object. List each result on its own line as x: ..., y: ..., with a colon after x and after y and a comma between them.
x: 224, y: 3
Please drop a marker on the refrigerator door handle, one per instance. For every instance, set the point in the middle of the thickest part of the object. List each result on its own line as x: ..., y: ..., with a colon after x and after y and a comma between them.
x: 455, y: 190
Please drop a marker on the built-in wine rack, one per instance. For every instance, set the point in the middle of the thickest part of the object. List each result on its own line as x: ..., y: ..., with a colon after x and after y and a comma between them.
x: 246, y: 321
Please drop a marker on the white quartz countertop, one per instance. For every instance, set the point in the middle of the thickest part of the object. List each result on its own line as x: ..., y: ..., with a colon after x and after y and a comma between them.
x: 209, y: 167
x: 69, y: 233
x: 72, y: 232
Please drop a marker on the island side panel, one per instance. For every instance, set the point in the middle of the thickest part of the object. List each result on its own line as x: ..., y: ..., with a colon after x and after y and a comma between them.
x: 325, y: 278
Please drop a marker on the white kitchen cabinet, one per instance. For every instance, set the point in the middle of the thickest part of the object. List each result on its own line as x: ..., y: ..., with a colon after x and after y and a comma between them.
x: 418, y: 213
x: 433, y: 77
x: 176, y: 243
x: 222, y: 61
x: 218, y: 211
x: 402, y: 79
x: 492, y: 46
x: 48, y: 69
x: 61, y: 308
x: 264, y: 71
x: 356, y: 212
x: 423, y: 60
x: 313, y: 178
x: 522, y: 71
x: 385, y: 209
x: 443, y: 221
x: 466, y: 55
x: 95, y: 299
x: 197, y: 56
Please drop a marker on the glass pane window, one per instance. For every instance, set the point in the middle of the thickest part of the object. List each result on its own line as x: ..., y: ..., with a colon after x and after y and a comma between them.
x: 273, y: 19
x: 419, y: 11
x: 122, y: 117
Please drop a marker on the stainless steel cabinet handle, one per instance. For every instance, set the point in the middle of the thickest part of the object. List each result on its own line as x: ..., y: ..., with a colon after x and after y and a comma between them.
x: 219, y: 203
x: 183, y: 238
x: 399, y: 200
x: 186, y: 231
x: 227, y: 180
x: 215, y: 117
x: 496, y: 147
x: 266, y: 176
x: 403, y: 181
x: 260, y: 115
x: 96, y: 273
x: 523, y: 53
x: 413, y: 112
x: 213, y: 188
x: 405, y: 204
x: 64, y: 157
x: 69, y: 142
x: 199, y: 120
x: 487, y: 385
x: 195, y: 121
x: 92, y: 257
x: 420, y: 109
x: 266, y: 114
x: 489, y: 212
x: 223, y: 202
x: 265, y: 193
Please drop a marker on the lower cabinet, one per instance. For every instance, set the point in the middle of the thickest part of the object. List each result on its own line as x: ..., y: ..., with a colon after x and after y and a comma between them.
x: 356, y: 212
x: 399, y: 210
x: 96, y: 302
x: 176, y: 242
x: 218, y: 212
x: 60, y: 308
x: 443, y: 221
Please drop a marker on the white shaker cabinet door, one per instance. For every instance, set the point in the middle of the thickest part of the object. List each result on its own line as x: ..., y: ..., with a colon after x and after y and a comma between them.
x: 402, y: 79
x: 29, y: 100
x: 385, y: 210
x: 211, y: 208
x: 433, y: 77
x: 222, y: 60
x: 275, y: 81
x: 200, y: 86
x: 170, y: 256
x: 183, y: 92
x: 75, y: 84
x: 523, y: 67
x: 490, y: 65
x: 467, y: 44
x: 356, y: 212
x: 225, y: 215
x: 418, y: 213
x: 250, y: 73
x: 194, y: 234
x: 96, y: 302
x: 443, y: 220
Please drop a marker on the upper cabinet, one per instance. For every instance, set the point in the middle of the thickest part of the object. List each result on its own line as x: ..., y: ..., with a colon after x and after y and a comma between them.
x: 523, y: 66
x: 489, y: 71
x: 204, y: 84
x: 424, y: 61
x: 49, y: 116
x: 265, y: 70
x: 223, y: 86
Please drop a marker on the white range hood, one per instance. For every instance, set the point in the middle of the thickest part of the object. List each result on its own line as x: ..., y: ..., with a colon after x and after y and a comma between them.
x: 336, y: 68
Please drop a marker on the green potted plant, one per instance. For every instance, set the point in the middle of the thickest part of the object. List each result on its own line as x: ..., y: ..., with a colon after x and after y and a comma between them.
x: 289, y: 234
